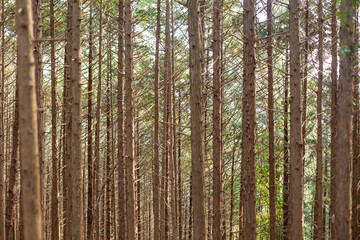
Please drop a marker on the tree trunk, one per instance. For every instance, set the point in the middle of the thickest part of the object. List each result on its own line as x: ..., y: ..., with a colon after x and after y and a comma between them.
x: 355, y: 141
x: 36, y: 7
x: 121, y: 163
x: 10, y: 216
x: 129, y: 123
x: 343, y: 141
x: 217, y: 122
x: 334, y: 65
x: 272, y: 186
x: 296, y: 208
x: 74, y: 177
x: 286, y: 152
x: 197, y: 131
x: 249, y: 123
x: 29, y: 150
x: 54, y: 157
x: 2, y: 132
x: 318, y: 209
x: 90, y: 207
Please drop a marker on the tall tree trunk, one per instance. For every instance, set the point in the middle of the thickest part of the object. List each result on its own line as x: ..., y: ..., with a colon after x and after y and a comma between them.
x: 54, y: 157
x: 179, y: 187
x: 129, y: 123
x: 305, y: 80
x: 36, y: 7
x: 90, y: 207
x: 248, y: 123
x: 197, y: 131
x: 217, y: 122
x: 318, y: 209
x: 343, y: 125
x: 29, y: 150
x: 75, y: 197
x: 334, y: 65
x: 355, y: 140
x: 2, y: 132
x: 156, y: 172
x: 296, y: 207
x: 10, y: 218
x: 272, y: 186
x: 97, y: 134
x: 121, y: 163
x: 286, y: 152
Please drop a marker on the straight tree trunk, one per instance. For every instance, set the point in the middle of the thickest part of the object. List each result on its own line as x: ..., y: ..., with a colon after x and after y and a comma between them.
x: 129, y: 123
x: 343, y: 126
x: 29, y: 150
x: 296, y: 208
x: 334, y: 65
x: 36, y: 7
x: 197, y: 131
x: 305, y: 80
x: 97, y: 196
x: 286, y: 152
x: 90, y: 207
x: 272, y: 186
x: 318, y: 210
x: 121, y: 163
x: 156, y: 172
x: 355, y: 141
x: 10, y: 217
x: 249, y: 124
x: 54, y: 157
x: 217, y: 122
x: 2, y: 137
x: 75, y: 193
x: 179, y: 187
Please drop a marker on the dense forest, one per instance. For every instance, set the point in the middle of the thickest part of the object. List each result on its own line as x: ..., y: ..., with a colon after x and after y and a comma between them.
x: 179, y: 119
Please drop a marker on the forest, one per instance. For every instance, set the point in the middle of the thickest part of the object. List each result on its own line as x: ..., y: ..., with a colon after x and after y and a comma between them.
x: 179, y: 119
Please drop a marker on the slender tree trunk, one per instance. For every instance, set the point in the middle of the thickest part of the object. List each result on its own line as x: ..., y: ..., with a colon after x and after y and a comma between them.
x: 36, y: 7
x: 156, y: 171
x: 108, y: 150
x: 2, y: 137
x: 129, y: 123
x: 334, y: 65
x: 90, y: 207
x: 121, y: 163
x: 75, y: 197
x: 286, y: 152
x: 217, y: 122
x: 272, y: 186
x: 54, y: 186
x: 10, y: 218
x: 249, y: 123
x: 305, y: 80
x: 343, y: 141
x: 97, y: 135
x: 29, y: 150
x: 197, y: 132
x: 355, y: 140
x: 180, y: 191
x: 318, y: 210
x: 296, y: 208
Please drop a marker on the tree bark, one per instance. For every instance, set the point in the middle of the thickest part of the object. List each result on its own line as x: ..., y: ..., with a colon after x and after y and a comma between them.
x: 217, y: 122
x: 10, y: 217
x: 318, y: 209
x: 334, y: 66
x: 129, y: 123
x: 343, y: 125
x: 286, y: 152
x: 249, y: 123
x: 272, y: 186
x: 74, y: 177
x: 121, y: 163
x: 29, y: 150
x: 54, y: 157
x: 296, y: 208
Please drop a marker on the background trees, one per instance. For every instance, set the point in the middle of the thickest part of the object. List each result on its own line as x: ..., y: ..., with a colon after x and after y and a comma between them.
x: 168, y: 119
